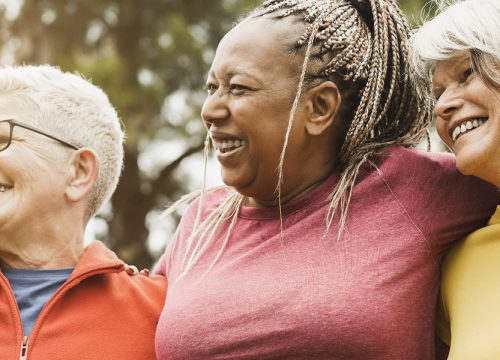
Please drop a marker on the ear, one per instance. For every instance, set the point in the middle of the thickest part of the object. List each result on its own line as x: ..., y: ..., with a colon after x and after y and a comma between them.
x: 84, y: 168
x: 324, y: 104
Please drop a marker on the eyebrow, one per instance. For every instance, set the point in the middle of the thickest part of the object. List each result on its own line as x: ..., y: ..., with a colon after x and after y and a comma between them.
x: 461, y: 63
x: 233, y: 73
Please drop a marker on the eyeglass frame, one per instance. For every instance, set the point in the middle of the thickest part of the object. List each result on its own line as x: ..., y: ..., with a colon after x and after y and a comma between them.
x: 13, y: 123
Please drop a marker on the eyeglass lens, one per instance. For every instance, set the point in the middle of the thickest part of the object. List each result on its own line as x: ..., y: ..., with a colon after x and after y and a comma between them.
x: 4, y: 134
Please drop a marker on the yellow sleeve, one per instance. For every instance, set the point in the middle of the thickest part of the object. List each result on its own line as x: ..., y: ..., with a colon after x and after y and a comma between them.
x: 470, y: 292
x: 443, y: 322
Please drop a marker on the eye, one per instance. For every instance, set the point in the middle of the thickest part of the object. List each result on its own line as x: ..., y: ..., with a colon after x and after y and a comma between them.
x: 4, y: 140
x: 211, y: 88
x: 238, y: 89
x: 467, y: 73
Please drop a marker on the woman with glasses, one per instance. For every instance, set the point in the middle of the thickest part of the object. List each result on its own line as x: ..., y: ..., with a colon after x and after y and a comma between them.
x: 460, y: 51
x: 60, y: 158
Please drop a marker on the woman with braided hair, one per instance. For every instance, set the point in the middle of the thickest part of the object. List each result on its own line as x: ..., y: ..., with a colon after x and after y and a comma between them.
x: 460, y: 50
x: 326, y: 241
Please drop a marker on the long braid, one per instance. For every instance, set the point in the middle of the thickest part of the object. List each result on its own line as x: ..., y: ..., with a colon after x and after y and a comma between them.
x: 367, y: 42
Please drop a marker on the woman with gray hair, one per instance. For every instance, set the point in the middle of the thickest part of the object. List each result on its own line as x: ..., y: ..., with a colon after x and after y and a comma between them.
x: 326, y: 241
x: 460, y: 50
x: 61, y: 150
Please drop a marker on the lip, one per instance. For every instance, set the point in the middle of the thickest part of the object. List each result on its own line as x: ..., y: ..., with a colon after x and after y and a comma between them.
x: 455, y: 124
x: 225, y: 156
x: 221, y: 136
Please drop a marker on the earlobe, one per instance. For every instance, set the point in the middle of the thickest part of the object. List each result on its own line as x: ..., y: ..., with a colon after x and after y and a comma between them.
x: 325, y: 101
x: 84, y: 169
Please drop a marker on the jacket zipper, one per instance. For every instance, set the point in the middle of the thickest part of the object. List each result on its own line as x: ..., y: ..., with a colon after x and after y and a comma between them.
x: 70, y: 284
x: 24, y: 349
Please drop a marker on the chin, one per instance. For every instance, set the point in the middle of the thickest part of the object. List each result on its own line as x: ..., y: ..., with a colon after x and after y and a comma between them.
x: 238, y: 180
x: 252, y: 190
x: 467, y: 168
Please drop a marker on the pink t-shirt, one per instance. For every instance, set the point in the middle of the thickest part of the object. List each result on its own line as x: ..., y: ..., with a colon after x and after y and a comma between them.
x: 370, y: 295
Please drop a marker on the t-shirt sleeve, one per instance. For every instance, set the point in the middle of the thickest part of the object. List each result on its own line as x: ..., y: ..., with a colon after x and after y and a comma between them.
x: 444, y: 204
x: 160, y: 267
x: 171, y: 262
x: 165, y: 263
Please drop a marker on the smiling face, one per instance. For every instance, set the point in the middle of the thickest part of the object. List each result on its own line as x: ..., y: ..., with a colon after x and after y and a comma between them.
x: 32, y: 179
x: 468, y: 117
x: 251, y: 86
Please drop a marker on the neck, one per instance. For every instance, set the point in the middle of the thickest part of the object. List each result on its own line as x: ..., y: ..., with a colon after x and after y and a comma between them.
x: 48, y: 251
x: 41, y: 259
x: 288, y: 197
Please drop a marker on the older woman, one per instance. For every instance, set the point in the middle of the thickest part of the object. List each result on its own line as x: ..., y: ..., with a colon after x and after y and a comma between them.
x: 460, y: 49
x: 326, y: 243
x: 60, y: 159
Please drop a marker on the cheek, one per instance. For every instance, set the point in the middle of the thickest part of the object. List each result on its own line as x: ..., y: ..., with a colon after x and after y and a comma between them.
x: 441, y: 129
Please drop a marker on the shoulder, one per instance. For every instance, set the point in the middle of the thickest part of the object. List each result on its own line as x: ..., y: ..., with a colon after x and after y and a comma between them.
x: 153, y: 285
x: 102, y: 270
x: 149, y: 292
x: 444, y: 203
x: 209, y: 201
x: 206, y: 205
x: 401, y: 159
x: 429, y: 171
x: 140, y: 281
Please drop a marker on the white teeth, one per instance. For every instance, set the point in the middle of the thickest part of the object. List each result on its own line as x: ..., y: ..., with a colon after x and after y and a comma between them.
x: 226, y: 145
x: 3, y: 188
x: 466, y: 127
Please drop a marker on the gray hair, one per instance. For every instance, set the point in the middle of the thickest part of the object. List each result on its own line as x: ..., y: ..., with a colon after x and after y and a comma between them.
x: 463, y: 26
x: 68, y: 106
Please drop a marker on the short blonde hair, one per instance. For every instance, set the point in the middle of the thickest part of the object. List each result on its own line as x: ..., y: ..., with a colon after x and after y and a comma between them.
x: 70, y: 107
x: 472, y: 26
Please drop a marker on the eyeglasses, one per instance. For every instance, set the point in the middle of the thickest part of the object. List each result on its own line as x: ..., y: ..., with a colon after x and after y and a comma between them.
x: 7, y: 129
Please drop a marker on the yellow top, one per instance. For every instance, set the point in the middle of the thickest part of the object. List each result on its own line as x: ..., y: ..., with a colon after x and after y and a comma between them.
x: 469, y: 313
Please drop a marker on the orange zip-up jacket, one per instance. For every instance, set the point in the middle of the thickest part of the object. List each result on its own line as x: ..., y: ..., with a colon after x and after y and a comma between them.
x: 102, y: 312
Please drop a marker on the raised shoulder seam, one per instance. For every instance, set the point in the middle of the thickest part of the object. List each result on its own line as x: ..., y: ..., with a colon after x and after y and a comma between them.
x: 429, y: 247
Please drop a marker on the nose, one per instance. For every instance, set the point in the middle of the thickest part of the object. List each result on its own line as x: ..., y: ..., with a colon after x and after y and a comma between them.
x: 450, y: 101
x: 215, y: 109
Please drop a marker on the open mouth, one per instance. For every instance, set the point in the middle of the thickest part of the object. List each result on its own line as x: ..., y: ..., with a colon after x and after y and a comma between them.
x: 466, y: 127
x: 225, y: 146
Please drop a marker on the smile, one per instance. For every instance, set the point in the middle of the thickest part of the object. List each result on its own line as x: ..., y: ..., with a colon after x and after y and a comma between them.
x: 465, y: 127
x: 225, y: 146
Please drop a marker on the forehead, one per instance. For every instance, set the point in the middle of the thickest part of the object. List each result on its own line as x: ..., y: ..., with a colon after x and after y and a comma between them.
x: 258, y: 46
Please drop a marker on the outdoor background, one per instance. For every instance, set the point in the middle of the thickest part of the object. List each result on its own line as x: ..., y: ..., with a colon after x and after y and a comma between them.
x: 150, y: 57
